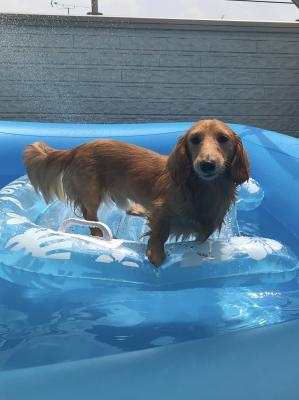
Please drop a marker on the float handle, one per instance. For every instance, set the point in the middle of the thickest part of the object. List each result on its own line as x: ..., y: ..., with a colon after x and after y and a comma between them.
x: 107, y: 233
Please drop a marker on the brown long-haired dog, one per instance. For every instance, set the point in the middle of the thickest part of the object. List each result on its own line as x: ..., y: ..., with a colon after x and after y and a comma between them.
x: 187, y: 193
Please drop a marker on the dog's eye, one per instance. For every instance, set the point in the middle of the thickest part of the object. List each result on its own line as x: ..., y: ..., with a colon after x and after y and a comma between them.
x: 195, y: 139
x: 223, y: 138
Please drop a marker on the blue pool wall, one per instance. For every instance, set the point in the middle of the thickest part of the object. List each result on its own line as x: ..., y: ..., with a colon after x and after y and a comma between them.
x: 260, y: 363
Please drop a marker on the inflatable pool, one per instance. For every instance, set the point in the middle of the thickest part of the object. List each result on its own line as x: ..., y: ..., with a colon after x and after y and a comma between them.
x: 38, y: 250
x: 81, y: 316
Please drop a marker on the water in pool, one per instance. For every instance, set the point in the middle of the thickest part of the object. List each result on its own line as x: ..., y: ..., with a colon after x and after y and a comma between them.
x: 39, y: 327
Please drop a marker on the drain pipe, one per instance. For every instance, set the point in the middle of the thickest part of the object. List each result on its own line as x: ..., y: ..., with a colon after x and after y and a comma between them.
x: 94, y: 8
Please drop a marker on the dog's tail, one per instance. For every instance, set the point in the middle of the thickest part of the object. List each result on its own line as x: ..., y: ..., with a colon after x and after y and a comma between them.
x: 45, y: 167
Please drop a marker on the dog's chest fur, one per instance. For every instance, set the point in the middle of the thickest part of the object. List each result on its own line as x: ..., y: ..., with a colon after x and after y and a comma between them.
x: 201, y: 210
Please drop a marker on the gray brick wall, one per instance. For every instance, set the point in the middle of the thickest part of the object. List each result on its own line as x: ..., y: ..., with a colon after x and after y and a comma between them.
x: 95, y: 69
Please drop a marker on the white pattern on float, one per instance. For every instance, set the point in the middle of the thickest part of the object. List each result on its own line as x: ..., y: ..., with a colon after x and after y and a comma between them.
x: 13, y: 200
x: 34, y: 241
x: 17, y: 219
x: 130, y: 264
x: 105, y: 258
x: 256, y: 248
x: 12, y: 188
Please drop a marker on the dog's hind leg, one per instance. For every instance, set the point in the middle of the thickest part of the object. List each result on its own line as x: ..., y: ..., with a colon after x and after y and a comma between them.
x: 89, y: 203
x: 90, y: 214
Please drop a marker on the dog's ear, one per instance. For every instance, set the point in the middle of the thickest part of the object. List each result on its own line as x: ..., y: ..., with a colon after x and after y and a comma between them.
x: 179, y: 164
x: 240, y: 165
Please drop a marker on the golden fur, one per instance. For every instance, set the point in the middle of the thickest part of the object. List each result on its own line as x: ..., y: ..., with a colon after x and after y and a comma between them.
x: 187, y: 193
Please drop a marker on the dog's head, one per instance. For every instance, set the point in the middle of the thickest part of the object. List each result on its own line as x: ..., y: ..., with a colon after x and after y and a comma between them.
x: 210, y: 149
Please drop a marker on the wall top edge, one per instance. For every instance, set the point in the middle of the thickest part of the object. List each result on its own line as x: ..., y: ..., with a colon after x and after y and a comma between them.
x: 146, y: 23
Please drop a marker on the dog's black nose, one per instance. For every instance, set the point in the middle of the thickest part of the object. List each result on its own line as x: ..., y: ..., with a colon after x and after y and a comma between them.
x: 207, y: 166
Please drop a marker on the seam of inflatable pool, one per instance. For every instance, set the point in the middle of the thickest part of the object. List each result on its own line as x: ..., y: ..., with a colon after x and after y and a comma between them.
x: 270, y: 148
x: 293, y: 233
x: 118, y: 134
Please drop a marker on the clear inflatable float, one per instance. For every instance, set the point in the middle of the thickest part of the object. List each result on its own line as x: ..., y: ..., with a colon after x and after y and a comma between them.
x: 48, y: 246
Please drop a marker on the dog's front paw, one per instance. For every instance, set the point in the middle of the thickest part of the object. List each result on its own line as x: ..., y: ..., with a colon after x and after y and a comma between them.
x: 155, y: 257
